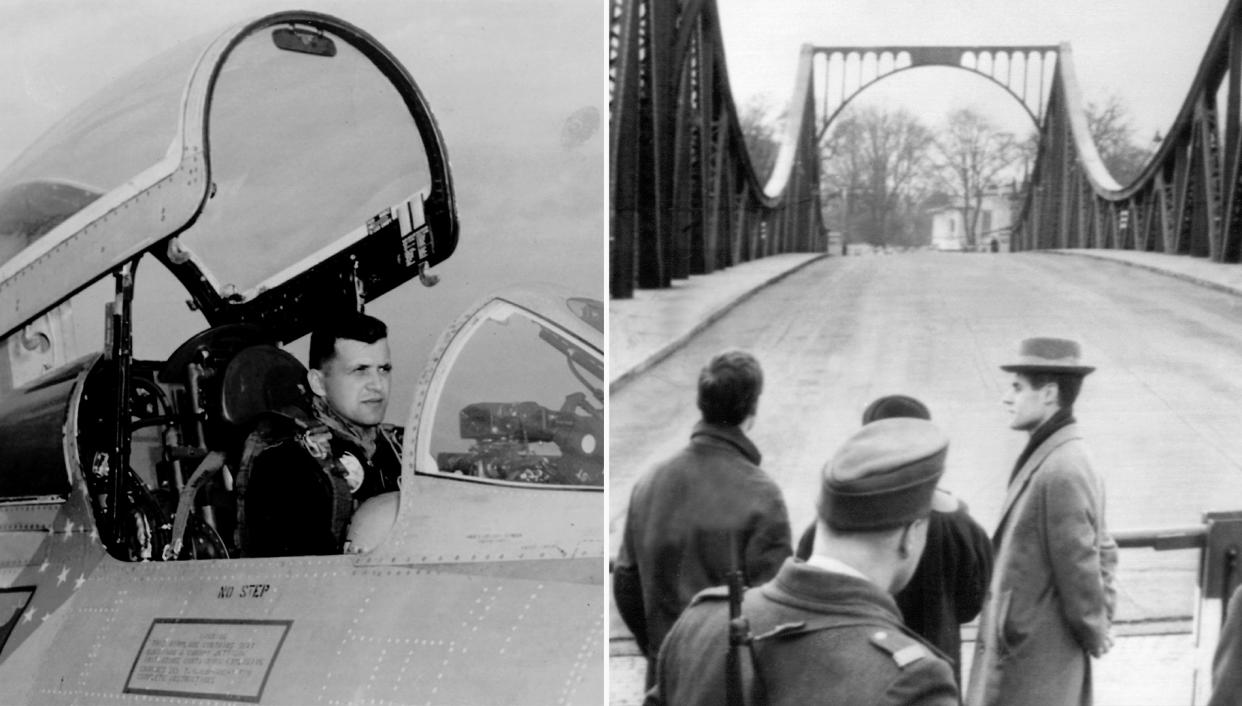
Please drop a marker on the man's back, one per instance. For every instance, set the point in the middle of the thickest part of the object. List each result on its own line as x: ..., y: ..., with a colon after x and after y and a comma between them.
x: 688, y: 519
x: 820, y: 638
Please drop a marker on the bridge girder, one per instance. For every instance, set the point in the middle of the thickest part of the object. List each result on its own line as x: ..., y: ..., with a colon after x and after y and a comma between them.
x: 685, y: 195
x: 686, y: 198
x: 1188, y: 198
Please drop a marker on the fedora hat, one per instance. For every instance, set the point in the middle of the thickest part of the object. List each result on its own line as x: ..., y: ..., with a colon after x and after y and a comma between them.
x: 1049, y: 355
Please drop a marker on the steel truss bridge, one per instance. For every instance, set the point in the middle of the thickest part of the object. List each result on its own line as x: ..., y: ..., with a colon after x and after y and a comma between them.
x: 686, y: 198
x: 1188, y: 199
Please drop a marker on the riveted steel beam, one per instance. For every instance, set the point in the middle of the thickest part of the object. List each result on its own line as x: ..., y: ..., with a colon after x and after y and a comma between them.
x: 685, y: 195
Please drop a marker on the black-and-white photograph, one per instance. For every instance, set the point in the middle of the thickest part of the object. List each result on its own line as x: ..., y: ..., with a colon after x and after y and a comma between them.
x: 923, y: 327
x: 302, y: 352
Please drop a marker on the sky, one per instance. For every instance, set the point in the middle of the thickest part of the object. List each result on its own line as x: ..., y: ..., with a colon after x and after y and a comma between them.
x: 503, y: 79
x: 1146, y: 52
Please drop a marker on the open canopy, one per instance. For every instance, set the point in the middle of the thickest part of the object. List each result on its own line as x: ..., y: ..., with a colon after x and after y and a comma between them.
x: 280, y: 167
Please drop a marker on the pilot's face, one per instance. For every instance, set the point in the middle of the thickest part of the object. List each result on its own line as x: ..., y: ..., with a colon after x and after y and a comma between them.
x: 355, y: 381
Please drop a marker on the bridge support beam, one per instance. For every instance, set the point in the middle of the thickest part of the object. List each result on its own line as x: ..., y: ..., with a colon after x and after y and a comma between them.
x: 685, y: 195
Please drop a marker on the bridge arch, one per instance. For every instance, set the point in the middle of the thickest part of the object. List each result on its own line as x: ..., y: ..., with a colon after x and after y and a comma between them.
x: 1023, y: 72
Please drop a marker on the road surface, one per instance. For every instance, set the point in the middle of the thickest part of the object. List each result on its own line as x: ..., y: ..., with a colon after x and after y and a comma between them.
x: 1161, y: 413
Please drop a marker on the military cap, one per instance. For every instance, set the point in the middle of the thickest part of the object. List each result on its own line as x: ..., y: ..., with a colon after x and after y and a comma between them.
x: 1049, y: 355
x: 883, y: 476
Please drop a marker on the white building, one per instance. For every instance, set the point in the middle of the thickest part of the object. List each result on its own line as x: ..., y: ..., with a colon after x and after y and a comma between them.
x: 995, y: 220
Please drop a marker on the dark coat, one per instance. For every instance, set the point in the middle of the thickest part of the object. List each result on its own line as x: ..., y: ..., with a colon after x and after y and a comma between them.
x: 683, y: 519
x: 1227, y: 662
x: 1050, y: 602
x: 290, y: 497
x: 948, y: 586
x: 821, y: 638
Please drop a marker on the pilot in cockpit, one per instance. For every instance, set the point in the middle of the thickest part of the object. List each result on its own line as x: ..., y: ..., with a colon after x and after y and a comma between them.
x: 303, y: 471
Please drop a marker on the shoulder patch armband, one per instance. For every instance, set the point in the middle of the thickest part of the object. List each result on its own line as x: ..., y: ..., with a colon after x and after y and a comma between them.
x: 317, y: 442
x: 901, y: 648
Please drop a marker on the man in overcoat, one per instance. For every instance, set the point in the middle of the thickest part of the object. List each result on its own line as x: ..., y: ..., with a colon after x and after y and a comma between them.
x: 1050, y: 603
x: 827, y: 630
x: 708, y: 509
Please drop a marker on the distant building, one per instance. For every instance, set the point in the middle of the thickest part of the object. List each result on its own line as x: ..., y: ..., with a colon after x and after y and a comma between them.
x: 948, y: 231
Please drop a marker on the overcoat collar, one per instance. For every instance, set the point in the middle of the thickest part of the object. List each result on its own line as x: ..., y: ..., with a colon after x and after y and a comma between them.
x: 850, y: 598
x: 1023, y: 478
x: 726, y: 436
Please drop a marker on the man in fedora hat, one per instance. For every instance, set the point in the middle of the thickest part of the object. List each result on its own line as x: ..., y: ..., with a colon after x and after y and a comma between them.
x: 827, y: 630
x: 1049, y: 606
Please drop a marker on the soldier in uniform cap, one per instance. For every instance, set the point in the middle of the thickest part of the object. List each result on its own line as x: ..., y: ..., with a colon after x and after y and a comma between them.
x: 827, y: 630
x: 304, y: 470
x: 1049, y: 606
x: 947, y: 588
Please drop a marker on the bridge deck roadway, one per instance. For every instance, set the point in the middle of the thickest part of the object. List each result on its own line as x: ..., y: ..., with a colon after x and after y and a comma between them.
x: 1161, y: 412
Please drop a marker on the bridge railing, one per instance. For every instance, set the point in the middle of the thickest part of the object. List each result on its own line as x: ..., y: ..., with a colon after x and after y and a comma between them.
x: 685, y: 195
x: 1188, y: 198
x: 1219, y: 542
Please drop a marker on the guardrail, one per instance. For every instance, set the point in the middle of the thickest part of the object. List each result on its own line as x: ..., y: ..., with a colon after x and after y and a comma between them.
x: 1219, y: 541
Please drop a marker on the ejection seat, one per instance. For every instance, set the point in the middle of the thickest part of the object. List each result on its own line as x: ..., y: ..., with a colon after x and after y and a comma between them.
x: 206, y: 442
x: 258, y: 379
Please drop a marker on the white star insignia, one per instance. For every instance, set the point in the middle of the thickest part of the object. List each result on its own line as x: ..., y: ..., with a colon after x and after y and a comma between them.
x: 43, y: 566
x: 94, y: 534
x: 77, y: 583
x: 68, y: 529
x: 64, y: 574
x: 28, y: 615
x: 45, y: 617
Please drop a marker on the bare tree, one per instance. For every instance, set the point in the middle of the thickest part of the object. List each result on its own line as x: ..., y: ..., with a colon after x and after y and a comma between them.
x: 971, y: 155
x: 878, y: 161
x: 1110, y: 127
x: 761, y: 134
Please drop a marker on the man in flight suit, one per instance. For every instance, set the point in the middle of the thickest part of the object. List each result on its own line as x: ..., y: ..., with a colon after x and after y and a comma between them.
x: 304, y: 471
x: 827, y: 630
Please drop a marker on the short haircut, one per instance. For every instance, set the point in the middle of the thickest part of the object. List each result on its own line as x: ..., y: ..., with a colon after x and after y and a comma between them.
x: 353, y: 326
x: 729, y: 388
x: 895, y: 406
x: 1068, y: 385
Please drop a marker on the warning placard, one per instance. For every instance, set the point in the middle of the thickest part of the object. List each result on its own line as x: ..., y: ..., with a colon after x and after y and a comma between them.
x: 216, y: 659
